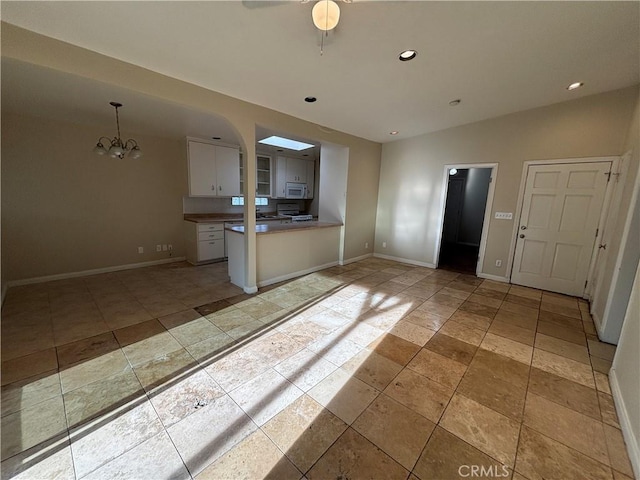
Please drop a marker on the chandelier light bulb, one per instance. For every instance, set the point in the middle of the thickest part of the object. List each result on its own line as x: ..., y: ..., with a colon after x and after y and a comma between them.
x: 326, y: 15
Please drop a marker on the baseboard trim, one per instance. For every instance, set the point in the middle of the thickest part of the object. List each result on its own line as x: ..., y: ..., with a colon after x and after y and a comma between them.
x: 633, y: 448
x: 356, y: 259
x: 291, y: 275
x: 83, y: 273
x: 495, y: 278
x: 404, y: 260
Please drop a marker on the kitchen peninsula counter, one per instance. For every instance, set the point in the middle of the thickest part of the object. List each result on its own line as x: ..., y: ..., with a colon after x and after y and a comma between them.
x: 284, y: 251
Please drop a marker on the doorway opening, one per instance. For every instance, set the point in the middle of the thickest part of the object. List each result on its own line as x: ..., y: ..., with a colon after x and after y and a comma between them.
x: 465, y: 209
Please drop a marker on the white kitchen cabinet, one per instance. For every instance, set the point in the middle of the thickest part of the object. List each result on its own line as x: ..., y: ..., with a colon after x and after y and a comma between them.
x: 214, y: 170
x: 294, y: 170
x: 263, y: 175
x: 204, y: 242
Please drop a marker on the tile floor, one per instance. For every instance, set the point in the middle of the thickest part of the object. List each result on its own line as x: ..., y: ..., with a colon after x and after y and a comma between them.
x: 372, y: 370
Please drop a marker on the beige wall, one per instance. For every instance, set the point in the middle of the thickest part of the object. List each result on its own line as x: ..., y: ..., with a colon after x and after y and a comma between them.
x: 364, y: 156
x: 65, y: 209
x: 411, y: 175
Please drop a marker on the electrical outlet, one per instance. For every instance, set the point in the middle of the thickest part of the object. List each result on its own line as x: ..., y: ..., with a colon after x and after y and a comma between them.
x: 170, y: 247
x: 384, y: 244
x: 366, y: 244
x: 140, y: 249
x: 164, y: 248
x: 158, y: 248
x: 504, y: 215
x: 498, y: 263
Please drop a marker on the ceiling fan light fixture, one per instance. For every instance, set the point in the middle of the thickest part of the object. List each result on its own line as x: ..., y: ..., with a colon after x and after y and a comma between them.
x: 325, y: 15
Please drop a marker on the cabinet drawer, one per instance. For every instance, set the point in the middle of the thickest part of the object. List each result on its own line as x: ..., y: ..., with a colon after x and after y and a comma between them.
x: 210, y: 227
x: 211, y: 235
x: 210, y: 249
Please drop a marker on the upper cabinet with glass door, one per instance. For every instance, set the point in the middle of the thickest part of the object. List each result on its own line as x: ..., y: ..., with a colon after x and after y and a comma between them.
x: 263, y: 176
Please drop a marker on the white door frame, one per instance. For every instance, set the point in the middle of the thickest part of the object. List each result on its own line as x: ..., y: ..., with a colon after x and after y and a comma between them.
x: 523, y: 180
x: 487, y: 210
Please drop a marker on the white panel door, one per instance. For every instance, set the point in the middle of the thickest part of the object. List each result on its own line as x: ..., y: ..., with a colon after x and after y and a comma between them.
x: 560, y: 215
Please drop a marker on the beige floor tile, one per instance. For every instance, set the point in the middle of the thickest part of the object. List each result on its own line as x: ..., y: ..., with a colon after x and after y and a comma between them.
x: 194, y: 331
x: 512, y: 332
x: 561, y: 320
x: 516, y: 320
x: 500, y: 367
x: 101, y: 397
x: 542, y: 457
x: 434, y: 308
x: 41, y: 462
x: 526, y: 301
x: 210, y: 432
x: 163, y: 369
x: 555, y: 308
x: 452, y: 348
x: 426, y: 319
x: 236, y: 368
x: 97, y: 443
x: 456, y: 293
x: 424, y: 396
x: 483, y: 428
x: 254, y: 457
x: 600, y: 365
x: 503, y: 346
x: 400, y: 432
x: 305, y: 369
x: 210, y: 349
x: 564, y: 392
x: 22, y: 340
x: 155, y: 346
x: 90, y: 371
x: 485, y: 300
x: 483, y: 291
x: 608, y: 410
x: 184, y: 396
x: 412, y: 332
x: 33, y: 425
x: 354, y: 453
x: 480, y: 309
x: 29, y: 366
x: 230, y: 319
x: 447, y: 457
x: 246, y: 331
x: 86, y: 349
x: 442, y: 298
x: 265, y: 395
x: 472, y: 320
x: 505, y: 398
x: 520, y: 310
x: 563, y: 348
x: 138, y: 333
x: 567, y: 426
x: 395, y: 348
x: 564, y: 333
x: 438, y: 368
x: 30, y: 391
x: 493, y: 285
x: 372, y: 368
x: 563, y: 367
x: 619, y: 460
x: 460, y: 332
x: 343, y: 395
x: 602, y: 382
x: 304, y: 431
x: 525, y: 292
x: 601, y: 350
x: 154, y: 458
x: 620, y: 476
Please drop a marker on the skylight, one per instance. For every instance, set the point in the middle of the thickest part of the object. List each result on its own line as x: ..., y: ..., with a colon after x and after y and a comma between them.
x: 276, y: 141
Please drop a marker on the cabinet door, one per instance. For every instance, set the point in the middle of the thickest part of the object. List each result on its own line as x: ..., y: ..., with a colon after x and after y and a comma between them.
x: 311, y: 175
x: 210, y: 249
x: 296, y: 170
x: 228, y: 171
x: 281, y: 177
x: 263, y: 176
x: 202, y: 169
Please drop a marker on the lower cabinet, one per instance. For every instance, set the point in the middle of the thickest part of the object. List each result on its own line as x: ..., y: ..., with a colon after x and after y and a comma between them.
x: 204, y: 242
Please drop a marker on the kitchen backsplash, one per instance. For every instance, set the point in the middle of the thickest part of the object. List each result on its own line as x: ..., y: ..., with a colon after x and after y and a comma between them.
x: 223, y: 205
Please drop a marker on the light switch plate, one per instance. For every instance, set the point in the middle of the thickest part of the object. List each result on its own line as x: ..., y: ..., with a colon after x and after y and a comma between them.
x: 504, y: 215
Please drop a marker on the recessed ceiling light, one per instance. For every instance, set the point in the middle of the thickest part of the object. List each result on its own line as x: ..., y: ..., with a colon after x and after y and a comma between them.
x: 575, y: 85
x: 407, y: 55
x: 282, y: 142
x: 395, y: 132
x: 310, y: 99
x: 455, y: 102
x: 453, y: 171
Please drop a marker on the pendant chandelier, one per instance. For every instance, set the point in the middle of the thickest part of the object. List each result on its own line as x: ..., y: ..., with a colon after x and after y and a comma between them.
x: 118, y: 148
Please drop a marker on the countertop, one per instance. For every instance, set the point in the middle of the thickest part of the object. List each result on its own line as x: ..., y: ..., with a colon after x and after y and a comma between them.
x: 284, y: 227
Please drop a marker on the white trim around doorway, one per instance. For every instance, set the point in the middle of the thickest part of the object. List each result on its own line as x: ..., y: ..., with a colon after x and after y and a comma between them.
x: 487, y: 210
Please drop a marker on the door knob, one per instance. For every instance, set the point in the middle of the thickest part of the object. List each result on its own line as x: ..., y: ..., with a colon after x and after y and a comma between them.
x: 523, y: 227
x: 522, y: 235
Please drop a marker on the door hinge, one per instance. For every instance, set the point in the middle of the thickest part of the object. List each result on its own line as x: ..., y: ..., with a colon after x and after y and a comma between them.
x: 597, y: 230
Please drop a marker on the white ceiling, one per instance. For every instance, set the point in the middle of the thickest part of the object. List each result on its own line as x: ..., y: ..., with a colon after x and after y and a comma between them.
x: 498, y: 57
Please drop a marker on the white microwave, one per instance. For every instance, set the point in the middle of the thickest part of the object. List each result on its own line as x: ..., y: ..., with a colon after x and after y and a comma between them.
x: 296, y: 190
